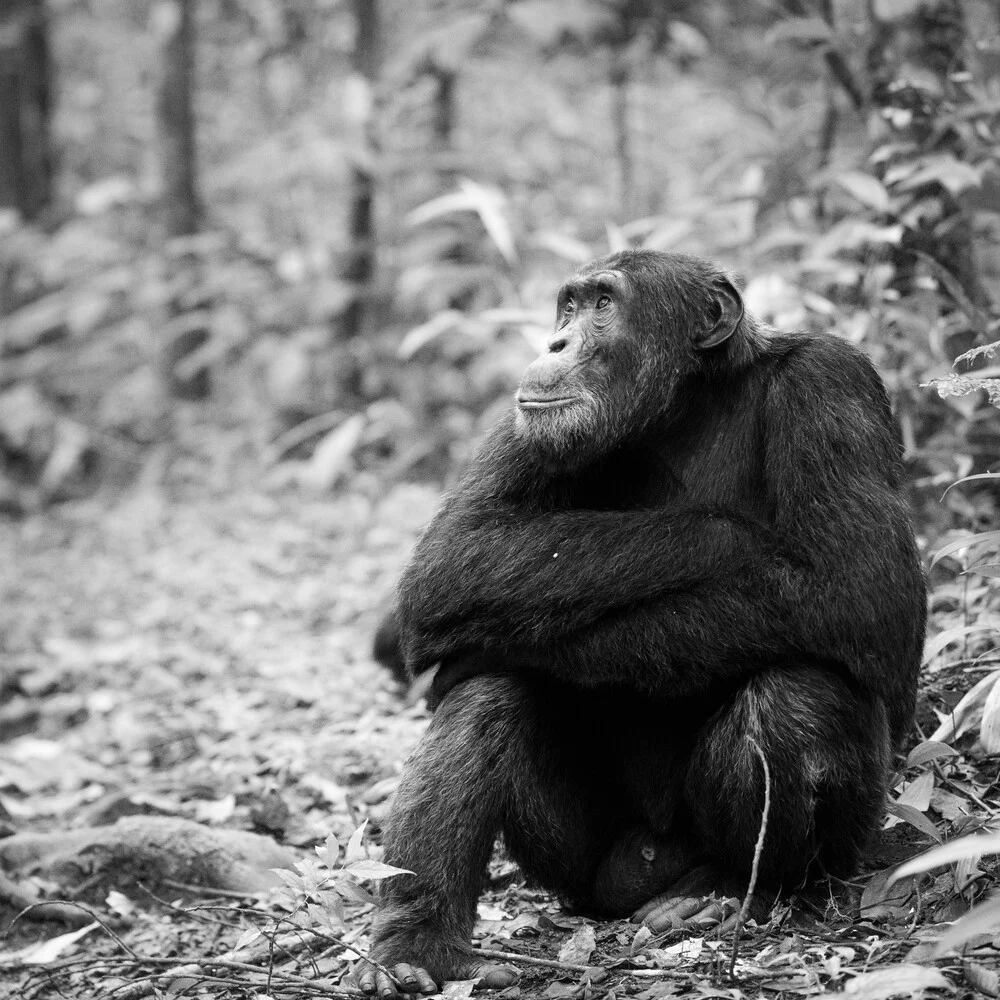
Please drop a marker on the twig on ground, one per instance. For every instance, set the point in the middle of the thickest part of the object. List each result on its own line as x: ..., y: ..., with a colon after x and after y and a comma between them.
x: 40, y: 909
x: 757, y: 851
x: 144, y: 986
x: 267, y: 954
x: 547, y: 963
x: 204, y: 890
x: 193, y: 911
x: 170, y: 966
x: 147, y: 985
x: 69, y: 904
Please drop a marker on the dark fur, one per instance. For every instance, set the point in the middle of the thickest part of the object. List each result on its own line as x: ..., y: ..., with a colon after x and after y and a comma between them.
x: 386, y: 648
x: 716, y: 548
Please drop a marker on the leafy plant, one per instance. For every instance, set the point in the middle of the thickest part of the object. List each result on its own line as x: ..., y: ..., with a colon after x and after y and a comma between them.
x: 983, y: 919
x: 319, y: 889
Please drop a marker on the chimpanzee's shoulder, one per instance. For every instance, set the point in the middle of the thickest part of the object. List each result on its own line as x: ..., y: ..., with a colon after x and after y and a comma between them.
x: 822, y: 357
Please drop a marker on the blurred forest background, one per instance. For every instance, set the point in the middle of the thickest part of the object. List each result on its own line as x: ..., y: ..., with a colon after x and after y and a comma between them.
x: 318, y: 240
x: 269, y: 268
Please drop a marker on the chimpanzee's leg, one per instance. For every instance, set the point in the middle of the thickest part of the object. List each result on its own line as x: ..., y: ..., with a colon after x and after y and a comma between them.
x: 502, y: 754
x: 828, y: 752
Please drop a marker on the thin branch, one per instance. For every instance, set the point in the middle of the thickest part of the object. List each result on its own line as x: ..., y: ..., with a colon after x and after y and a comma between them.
x: 757, y: 852
x: 85, y: 909
x: 205, y: 890
x: 545, y: 963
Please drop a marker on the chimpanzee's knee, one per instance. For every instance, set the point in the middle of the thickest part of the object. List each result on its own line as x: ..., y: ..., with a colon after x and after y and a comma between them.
x: 827, y: 748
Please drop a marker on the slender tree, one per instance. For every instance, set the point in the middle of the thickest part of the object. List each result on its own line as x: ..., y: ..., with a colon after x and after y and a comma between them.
x: 181, y: 209
x: 366, y: 64
x: 26, y: 170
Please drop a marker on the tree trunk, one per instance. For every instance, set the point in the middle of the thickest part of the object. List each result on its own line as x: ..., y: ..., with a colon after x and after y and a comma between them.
x: 366, y: 62
x: 180, y: 206
x: 26, y: 172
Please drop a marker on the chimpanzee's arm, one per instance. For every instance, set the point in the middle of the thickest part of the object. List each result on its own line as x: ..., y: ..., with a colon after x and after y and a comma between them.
x: 856, y: 598
x: 584, y: 591
x: 509, y: 578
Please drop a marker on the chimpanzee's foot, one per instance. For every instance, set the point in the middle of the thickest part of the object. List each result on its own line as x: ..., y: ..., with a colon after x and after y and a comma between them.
x: 412, y: 979
x: 443, y: 964
x: 664, y: 913
x: 703, y: 898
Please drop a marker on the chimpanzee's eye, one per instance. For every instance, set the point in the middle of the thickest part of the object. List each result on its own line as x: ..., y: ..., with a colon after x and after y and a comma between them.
x: 604, y: 301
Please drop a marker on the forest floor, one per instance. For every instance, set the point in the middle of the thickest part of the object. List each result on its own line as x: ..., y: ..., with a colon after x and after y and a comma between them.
x: 209, y: 660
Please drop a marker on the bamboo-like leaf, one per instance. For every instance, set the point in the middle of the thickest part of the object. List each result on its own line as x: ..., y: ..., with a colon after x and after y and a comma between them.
x: 924, y: 753
x: 445, y: 204
x: 905, y: 979
x: 333, y: 453
x: 972, y: 846
x: 489, y: 203
x: 915, y: 818
x: 981, y: 919
x: 962, y: 714
x: 938, y: 642
x: 952, y: 174
x: 439, y: 324
x: 989, y: 728
x: 969, y: 479
x: 573, y: 250
x: 864, y: 188
x: 986, y: 981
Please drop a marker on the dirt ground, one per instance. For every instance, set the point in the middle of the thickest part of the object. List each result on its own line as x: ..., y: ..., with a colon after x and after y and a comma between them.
x: 210, y: 660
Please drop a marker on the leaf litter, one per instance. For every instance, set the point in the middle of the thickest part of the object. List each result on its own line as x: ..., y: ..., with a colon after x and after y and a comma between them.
x: 210, y: 662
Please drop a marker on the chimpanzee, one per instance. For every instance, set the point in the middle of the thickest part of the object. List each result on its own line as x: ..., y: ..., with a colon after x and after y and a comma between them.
x: 386, y: 648
x: 685, y: 551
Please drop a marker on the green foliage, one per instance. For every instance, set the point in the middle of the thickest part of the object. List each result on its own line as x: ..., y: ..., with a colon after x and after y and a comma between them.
x: 494, y: 181
x: 318, y: 889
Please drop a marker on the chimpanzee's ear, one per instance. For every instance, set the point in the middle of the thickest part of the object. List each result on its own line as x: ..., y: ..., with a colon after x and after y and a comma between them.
x: 727, y: 311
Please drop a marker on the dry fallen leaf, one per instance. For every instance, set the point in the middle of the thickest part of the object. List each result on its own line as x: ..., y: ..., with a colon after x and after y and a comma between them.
x: 578, y: 949
x: 45, y: 952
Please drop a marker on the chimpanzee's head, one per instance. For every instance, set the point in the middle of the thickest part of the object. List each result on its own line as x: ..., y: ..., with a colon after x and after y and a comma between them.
x: 631, y: 330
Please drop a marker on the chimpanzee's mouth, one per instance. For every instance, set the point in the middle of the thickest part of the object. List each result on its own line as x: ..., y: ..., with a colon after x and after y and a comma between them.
x: 544, y: 403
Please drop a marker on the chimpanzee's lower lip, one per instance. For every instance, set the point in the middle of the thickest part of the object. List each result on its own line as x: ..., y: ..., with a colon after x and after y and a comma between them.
x: 544, y: 404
